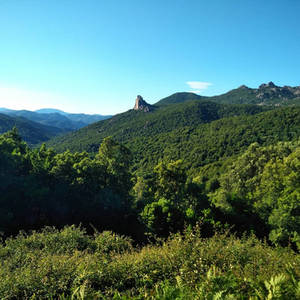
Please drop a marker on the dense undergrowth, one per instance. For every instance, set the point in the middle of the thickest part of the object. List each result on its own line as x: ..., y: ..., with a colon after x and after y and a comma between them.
x: 69, y: 264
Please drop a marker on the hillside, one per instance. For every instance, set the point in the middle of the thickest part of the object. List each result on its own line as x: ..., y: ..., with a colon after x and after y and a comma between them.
x: 265, y: 94
x: 135, y: 124
x: 197, y: 133
x: 224, y: 138
x: 31, y: 132
x: 56, y: 118
x: 200, y: 171
x: 178, y: 98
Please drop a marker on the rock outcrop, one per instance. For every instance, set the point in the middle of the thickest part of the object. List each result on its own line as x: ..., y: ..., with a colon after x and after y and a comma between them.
x: 272, y: 91
x: 141, y: 104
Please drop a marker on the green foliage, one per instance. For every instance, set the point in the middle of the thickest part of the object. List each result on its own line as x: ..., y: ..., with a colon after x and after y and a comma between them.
x: 70, y: 264
x: 194, y: 162
x: 173, y: 200
x: 128, y: 126
x: 171, y: 179
x: 217, y: 140
x: 264, y: 182
x: 177, y: 132
x: 40, y: 187
x: 178, y: 98
x: 162, y: 217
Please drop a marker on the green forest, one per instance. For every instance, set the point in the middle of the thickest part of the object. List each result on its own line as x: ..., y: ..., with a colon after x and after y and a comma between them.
x: 203, y: 208
x: 189, y: 199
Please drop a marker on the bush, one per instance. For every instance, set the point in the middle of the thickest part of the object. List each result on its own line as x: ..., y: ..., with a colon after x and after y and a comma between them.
x: 69, y: 264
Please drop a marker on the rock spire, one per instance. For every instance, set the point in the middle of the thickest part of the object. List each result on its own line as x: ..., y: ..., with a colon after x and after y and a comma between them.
x: 141, y: 104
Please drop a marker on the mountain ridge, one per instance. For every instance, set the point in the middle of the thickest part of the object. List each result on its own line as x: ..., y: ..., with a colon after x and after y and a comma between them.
x: 31, y: 132
x: 265, y: 94
x: 56, y: 118
x: 178, y: 97
x: 134, y: 123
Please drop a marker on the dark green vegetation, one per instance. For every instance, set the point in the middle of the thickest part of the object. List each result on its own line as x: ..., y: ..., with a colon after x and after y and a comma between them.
x: 133, y: 124
x: 197, y: 133
x: 31, y: 132
x: 258, y: 192
x: 178, y: 98
x: 209, y: 194
x: 40, y: 187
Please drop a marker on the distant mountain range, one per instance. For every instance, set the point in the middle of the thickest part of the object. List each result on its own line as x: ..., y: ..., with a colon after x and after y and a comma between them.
x: 40, y: 125
x: 55, y: 117
x: 31, y: 132
x: 180, y: 110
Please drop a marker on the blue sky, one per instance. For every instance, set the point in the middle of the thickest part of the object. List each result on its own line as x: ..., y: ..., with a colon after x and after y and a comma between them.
x: 95, y: 56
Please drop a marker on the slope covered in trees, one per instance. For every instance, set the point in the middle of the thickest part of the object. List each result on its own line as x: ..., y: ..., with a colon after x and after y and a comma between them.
x: 207, y: 143
x: 41, y: 187
x: 31, y: 132
x: 265, y: 94
x: 133, y: 124
x: 196, y: 145
x: 178, y: 98
x: 196, y: 185
x: 257, y: 192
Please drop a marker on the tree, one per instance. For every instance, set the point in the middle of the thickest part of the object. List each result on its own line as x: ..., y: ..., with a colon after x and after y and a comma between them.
x: 116, y: 158
x: 261, y: 191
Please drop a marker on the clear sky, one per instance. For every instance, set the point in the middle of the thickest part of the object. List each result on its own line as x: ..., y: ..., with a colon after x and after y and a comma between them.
x: 95, y: 56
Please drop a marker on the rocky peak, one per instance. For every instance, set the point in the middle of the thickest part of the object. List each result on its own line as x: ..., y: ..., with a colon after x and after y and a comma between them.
x: 141, y: 104
x: 271, y: 84
x: 243, y: 87
x: 271, y: 91
x: 268, y: 85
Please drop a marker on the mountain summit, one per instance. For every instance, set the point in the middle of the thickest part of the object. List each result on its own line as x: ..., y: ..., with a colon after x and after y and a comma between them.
x: 266, y: 94
x: 141, y: 104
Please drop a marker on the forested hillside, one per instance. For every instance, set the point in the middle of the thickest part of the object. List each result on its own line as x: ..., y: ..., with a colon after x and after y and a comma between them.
x: 105, y: 186
x: 189, y: 200
x: 178, y: 98
x: 135, y: 124
x: 197, y: 133
x: 257, y: 192
x: 31, y: 132
x: 266, y: 94
x: 207, y: 143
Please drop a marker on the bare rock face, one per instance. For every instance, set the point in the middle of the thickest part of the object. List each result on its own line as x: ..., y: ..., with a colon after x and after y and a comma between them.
x: 141, y: 104
x: 267, y: 85
x: 272, y: 91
